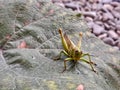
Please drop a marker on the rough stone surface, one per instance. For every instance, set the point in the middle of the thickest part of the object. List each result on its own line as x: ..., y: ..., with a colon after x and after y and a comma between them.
x: 31, y: 67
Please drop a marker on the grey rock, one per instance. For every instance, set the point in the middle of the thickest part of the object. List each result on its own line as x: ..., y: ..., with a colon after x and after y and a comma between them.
x: 71, y: 5
x: 97, y: 30
x: 118, y: 43
x: 116, y: 14
x: 107, y: 26
x: 118, y: 22
x: 118, y: 27
x: 94, y: 6
x: 118, y: 32
x: 110, y: 16
x: 117, y: 8
x: 102, y: 36
x: 89, y: 14
x: 99, y: 15
x: 113, y: 34
x: 108, y: 7
x: 115, y: 4
x: 66, y: 1
x: 90, y: 24
x: 110, y: 22
x: 105, y: 17
x: 109, y: 41
x: 116, y: 48
x: 106, y: 1
x: 89, y: 19
x: 88, y: 5
x: 60, y: 4
x: 112, y: 27
x: 86, y: 9
x: 100, y: 23
x: 33, y: 68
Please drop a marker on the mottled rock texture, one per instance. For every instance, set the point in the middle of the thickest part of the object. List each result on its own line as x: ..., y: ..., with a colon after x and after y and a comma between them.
x: 27, y: 50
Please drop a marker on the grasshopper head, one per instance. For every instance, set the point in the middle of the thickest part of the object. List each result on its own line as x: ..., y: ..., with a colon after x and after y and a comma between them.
x: 77, y: 54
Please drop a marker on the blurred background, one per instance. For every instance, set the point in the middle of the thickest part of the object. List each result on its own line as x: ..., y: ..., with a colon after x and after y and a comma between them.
x: 102, y: 17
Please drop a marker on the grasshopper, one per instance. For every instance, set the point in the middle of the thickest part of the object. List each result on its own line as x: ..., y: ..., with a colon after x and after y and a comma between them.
x: 72, y: 51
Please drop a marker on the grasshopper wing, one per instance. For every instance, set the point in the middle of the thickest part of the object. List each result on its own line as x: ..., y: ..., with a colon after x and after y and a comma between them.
x: 70, y: 44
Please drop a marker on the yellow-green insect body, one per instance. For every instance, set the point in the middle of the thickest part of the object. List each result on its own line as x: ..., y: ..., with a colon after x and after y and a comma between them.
x: 72, y: 51
x: 69, y: 47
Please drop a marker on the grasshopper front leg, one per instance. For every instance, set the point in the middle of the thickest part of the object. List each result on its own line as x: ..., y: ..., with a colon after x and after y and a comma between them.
x: 89, y: 62
x: 87, y: 54
x: 67, y: 59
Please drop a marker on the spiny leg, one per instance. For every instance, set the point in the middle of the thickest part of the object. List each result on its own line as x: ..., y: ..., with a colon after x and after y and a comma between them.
x: 89, y: 62
x: 67, y: 59
x: 84, y: 60
x: 58, y: 57
x: 87, y: 54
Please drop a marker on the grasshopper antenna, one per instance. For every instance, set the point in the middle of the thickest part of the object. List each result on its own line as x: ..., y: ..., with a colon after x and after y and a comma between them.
x: 79, y: 42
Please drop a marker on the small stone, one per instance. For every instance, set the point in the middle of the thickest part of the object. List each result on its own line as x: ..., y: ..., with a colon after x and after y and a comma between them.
x: 103, y: 9
x: 90, y: 14
x: 88, y: 19
x: 107, y: 27
x: 110, y: 16
x: 54, y: 1
x: 60, y: 4
x: 97, y: 30
x: 115, y: 4
x: 99, y: 23
x: 98, y: 16
x: 116, y: 14
x: 112, y: 27
x: 105, y: 17
x: 111, y: 23
x: 117, y: 8
x: 116, y: 48
x: 102, y: 36
x: 94, y: 6
x: 90, y: 24
x: 118, y: 32
x: 87, y: 9
x: 112, y: 34
x: 118, y: 22
x: 88, y: 5
x: 118, y: 27
x: 99, y: 6
x: 65, y: 1
x: 108, y: 7
x: 118, y: 43
x: 91, y: 1
x: 71, y: 5
x: 106, y: 1
x: 109, y: 41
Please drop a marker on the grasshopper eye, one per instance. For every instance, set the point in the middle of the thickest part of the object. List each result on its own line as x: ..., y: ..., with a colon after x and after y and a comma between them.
x: 76, y: 51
